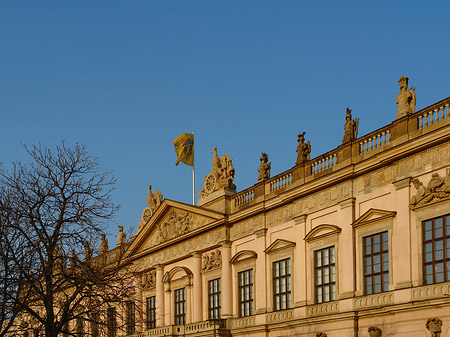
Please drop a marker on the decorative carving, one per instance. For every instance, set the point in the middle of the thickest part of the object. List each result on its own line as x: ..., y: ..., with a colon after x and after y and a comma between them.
x: 350, y: 127
x: 434, y: 326
x: 221, y: 176
x: 264, y: 168
x: 406, y: 99
x: 153, y: 201
x: 149, y: 279
x: 438, y: 188
x: 176, y: 224
x: 121, y: 237
x: 303, y: 149
x: 212, y: 260
x: 104, y: 245
x: 321, y: 334
x: 374, y: 331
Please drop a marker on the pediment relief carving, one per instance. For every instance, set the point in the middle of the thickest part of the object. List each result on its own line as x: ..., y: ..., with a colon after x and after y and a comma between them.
x: 278, y: 245
x: 243, y: 255
x: 322, y: 231
x: 212, y: 260
x: 373, y: 215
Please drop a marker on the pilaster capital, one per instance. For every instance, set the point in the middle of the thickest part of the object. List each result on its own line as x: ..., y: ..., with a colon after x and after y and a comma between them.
x: 226, y: 244
x: 402, y: 183
x: 300, y: 219
x: 350, y: 202
x: 260, y: 232
x: 196, y: 255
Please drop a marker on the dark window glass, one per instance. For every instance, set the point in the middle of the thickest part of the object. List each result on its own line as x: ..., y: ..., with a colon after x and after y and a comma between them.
x: 151, y: 312
x: 245, y: 279
x: 436, y: 250
x: 376, y: 263
x: 214, y: 298
x: 130, y: 318
x: 180, y: 306
x: 325, y: 275
x: 111, y: 322
x: 282, y: 284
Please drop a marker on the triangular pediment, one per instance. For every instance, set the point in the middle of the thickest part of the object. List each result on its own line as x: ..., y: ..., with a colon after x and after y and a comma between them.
x: 373, y: 215
x: 279, y: 244
x: 322, y: 231
x: 172, y: 222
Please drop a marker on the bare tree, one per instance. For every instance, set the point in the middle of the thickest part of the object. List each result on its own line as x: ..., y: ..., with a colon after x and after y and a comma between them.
x: 55, y: 209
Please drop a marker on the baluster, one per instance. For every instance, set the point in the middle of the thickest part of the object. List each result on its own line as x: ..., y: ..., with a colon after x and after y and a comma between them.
x: 448, y: 110
x: 419, y: 123
x: 426, y: 119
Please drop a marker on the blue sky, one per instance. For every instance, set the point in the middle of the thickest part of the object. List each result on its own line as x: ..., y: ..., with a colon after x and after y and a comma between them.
x: 127, y: 77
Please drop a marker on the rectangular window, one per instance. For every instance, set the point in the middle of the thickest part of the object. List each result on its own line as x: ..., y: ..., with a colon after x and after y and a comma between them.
x: 180, y: 306
x: 282, y: 284
x: 79, y: 326
x: 111, y: 322
x: 151, y: 312
x: 436, y: 250
x: 325, y: 275
x: 95, y: 319
x: 214, y: 299
x: 245, y: 280
x: 376, y: 263
x: 130, y: 319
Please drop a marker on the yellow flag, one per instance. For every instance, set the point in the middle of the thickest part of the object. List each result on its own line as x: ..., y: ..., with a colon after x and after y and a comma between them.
x: 184, y: 147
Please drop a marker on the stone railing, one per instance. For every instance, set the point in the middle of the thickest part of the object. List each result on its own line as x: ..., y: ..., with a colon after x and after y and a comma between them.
x: 428, y: 117
x: 374, y: 140
x: 323, y: 309
x: 244, y: 197
x: 279, y: 316
x: 192, y: 329
x: 243, y: 322
x: 280, y: 181
x: 373, y: 300
x: 323, y: 162
x: 431, y: 291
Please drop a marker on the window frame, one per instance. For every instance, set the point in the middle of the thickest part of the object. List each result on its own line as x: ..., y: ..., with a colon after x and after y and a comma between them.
x: 130, y: 317
x: 277, y: 296
x: 215, y: 311
x: 384, y: 249
x: 325, y: 285
x: 150, y: 312
x: 111, y: 321
x: 445, y: 260
x: 179, y: 303
x: 251, y: 289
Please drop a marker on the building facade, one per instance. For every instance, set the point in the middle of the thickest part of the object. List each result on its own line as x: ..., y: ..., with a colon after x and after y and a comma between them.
x: 354, y: 242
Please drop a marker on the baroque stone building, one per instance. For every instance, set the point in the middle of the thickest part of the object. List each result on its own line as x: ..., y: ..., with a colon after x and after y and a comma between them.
x: 354, y: 242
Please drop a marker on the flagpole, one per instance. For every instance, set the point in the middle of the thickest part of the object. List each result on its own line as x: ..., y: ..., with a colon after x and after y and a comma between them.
x: 193, y: 169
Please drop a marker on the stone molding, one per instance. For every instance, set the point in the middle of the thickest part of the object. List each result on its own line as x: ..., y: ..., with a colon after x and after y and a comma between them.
x: 279, y: 316
x: 431, y: 291
x: 375, y: 300
x: 322, y: 309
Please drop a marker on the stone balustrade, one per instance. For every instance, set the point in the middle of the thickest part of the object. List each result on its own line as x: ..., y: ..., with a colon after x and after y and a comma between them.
x: 280, y: 181
x: 279, y: 316
x: 243, y: 322
x: 373, y: 300
x: 322, y: 309
x: 244, y: 198
x: 431, y: 291
x: 374, y: 140
x: 324, y: 162
x: 428, y: 117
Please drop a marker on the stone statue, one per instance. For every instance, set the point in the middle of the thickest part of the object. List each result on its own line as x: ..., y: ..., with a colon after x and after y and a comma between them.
x: 406, y: 99
x: 438, y: 188
x: 121, y: 237
x: 104, y: 245
x: 434, y: 326
x: 88, y: 253
x: 374, y: 332
x: 221, y: 176
x: 303, y: 149
x: 154, y: 201
x: 264, y: 168
x: 350, y: 127
x: 212, y: 260
x: 73, y: 259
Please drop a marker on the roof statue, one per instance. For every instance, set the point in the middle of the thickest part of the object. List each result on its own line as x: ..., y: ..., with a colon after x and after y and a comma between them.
x: 350, y: 127
x: 406, y: 99
x: 121, y: 237
x: 221, y: 176
x: 264, y: 168
x: 303, y: 149
x: 104, y: 245
x: 153, y: 201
